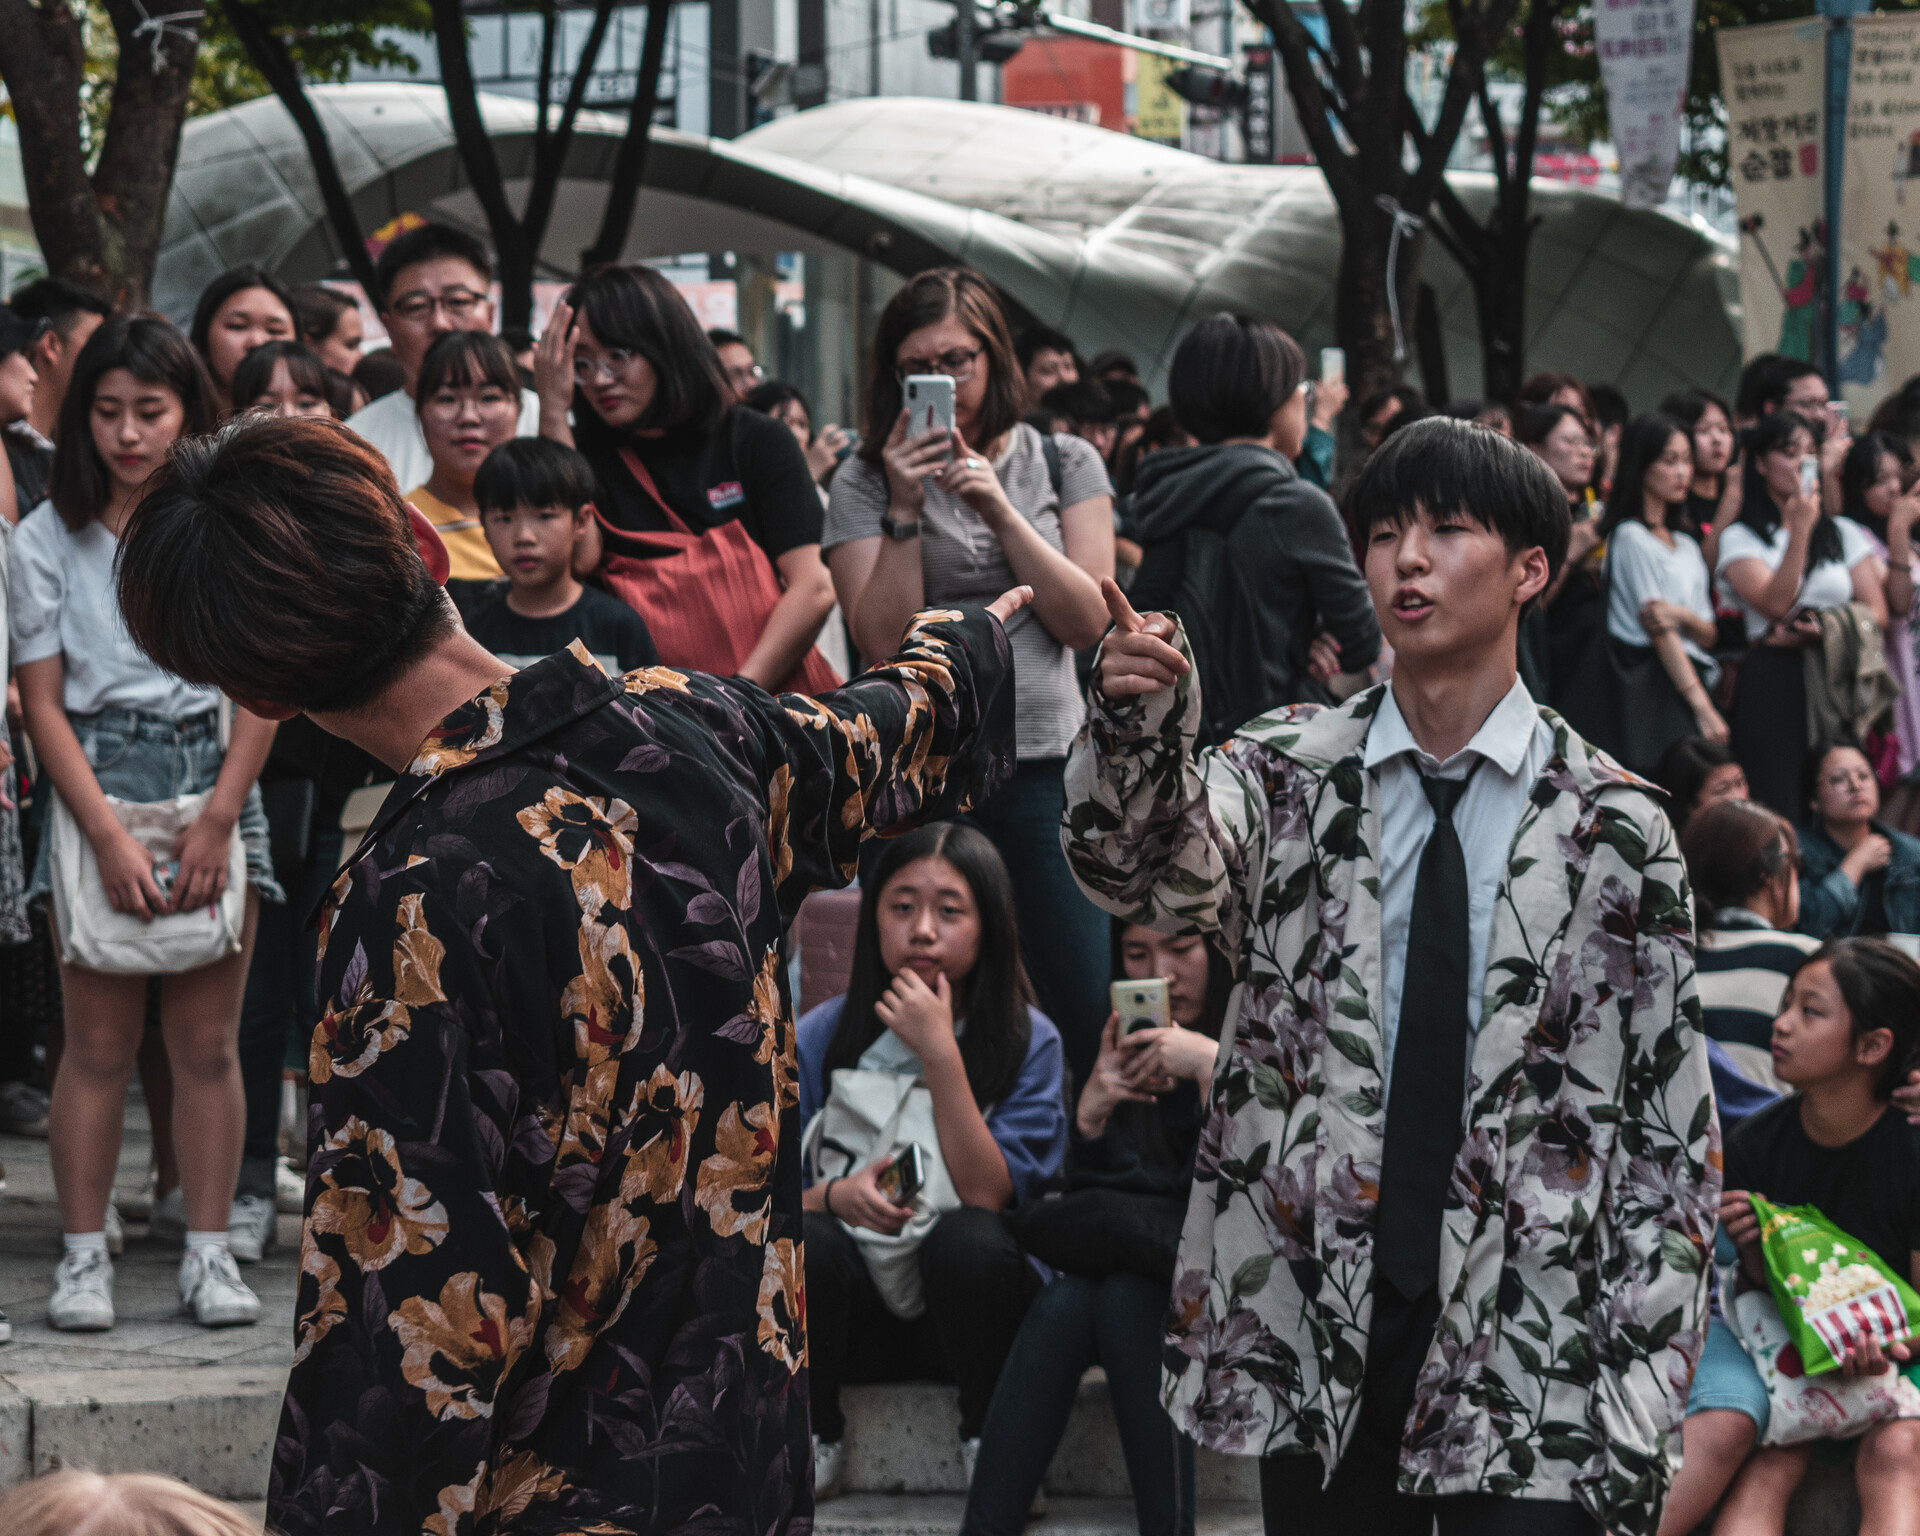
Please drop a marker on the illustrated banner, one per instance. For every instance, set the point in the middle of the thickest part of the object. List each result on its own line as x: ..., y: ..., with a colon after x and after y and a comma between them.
x: 1771, y: 79
x: 1646, y: 47
x: 1879, y: 247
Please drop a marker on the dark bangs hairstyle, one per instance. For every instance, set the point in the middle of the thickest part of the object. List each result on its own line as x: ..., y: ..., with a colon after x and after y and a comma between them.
x: 1540, y: 388
x: 154, y: 352
x: 466, y: 360
x: 1881, y: 988
x: 638, y: 309
x: 317, y: 310
x: 1642, y: 443
x: 1732, y: 850
x: 994, y: 998
x: 925, y: 300
x: 1769, y: 434
x: 768, y: 397
x: 1862, y: 468
x: 1230, y: 373
x: 533, y: 472
x: 253, y: 377
x: 1683, y: 771
x: 275, y: 560
x: 225, y: 286
x: 1445, y: 466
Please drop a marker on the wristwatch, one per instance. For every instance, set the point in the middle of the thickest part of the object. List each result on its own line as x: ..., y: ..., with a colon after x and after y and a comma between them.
x: 899, y: 532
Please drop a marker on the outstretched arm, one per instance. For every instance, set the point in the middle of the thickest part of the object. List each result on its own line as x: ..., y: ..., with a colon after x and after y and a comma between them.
x: 1153, y: 833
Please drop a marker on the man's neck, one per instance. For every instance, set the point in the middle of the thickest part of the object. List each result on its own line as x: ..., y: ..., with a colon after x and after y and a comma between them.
x: 1444, y: 709
x: 43, y: 421
x: 544, y: 601
x: 394, y: 724
x: 1833, y: 1114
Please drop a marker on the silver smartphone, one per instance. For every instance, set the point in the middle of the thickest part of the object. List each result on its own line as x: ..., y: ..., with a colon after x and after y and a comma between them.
x: 929, y: 404
x: 1333, y: 363
x: 1810, y: 476
x: 1142, y: 1004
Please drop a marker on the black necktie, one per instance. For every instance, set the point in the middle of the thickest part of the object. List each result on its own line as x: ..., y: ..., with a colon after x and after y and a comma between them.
x: 1425, y: 1097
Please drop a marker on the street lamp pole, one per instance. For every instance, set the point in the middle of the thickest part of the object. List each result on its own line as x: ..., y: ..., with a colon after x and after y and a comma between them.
x: 1839, y: 14
x: 963, y: 26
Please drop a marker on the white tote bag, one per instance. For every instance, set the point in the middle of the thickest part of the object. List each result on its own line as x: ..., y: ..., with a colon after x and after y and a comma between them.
x: 868, y: 1114
x: 93, y: 935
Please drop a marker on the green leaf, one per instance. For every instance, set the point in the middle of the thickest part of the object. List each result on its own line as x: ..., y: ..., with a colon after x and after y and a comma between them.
x: 1351, y: 1007
x: 1351, y: 1046
x: 1269, y: 1087
x: 1251, y: 1277
x: 1680, y: 1253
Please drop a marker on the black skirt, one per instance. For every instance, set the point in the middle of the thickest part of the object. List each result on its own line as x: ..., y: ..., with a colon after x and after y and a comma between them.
x: 1768, y: 727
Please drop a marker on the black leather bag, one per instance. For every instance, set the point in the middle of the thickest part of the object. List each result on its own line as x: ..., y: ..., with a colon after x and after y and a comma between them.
x: 1101, y: 1232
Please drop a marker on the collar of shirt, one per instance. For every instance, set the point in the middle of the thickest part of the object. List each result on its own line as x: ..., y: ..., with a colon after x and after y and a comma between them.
x: 1503, y: 738
x: 23, y: 429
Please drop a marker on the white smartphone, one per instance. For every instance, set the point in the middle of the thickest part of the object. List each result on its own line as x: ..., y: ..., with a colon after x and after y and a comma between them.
x: 929, y: 404
x: 1141, y: 1004
x: 1810, y: 476
x: 1333, y: 363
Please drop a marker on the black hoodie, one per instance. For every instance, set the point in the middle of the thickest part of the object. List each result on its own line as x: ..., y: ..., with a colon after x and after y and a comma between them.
x: 1256, y: 562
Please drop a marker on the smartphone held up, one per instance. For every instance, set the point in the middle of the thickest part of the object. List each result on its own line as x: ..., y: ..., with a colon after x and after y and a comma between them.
x: 929, y: 399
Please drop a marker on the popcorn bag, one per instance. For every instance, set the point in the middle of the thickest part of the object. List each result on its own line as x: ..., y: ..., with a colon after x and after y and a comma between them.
x: 1832, y: 1292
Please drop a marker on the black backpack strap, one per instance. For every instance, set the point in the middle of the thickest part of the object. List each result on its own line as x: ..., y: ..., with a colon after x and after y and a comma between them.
x: 1056, y: 476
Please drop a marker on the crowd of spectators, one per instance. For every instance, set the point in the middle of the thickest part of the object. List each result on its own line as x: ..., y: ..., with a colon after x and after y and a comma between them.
x: 1731, y: 624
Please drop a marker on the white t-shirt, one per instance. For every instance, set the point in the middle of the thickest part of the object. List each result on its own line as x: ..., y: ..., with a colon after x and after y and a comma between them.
x: 391, y: 425
x: 1639, y: 568
x: 63, y: 603
x: 1825, y: 586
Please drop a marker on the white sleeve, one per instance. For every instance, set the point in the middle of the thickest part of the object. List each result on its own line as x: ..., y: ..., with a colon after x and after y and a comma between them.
x: 1635, y: 568
x: 1739, y: 542
x: 1855, y: 545
x: 37, y: 586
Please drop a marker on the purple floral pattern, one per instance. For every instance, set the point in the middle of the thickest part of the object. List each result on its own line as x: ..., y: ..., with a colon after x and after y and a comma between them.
x: 1583, y: 1198
x: 551, y: 1277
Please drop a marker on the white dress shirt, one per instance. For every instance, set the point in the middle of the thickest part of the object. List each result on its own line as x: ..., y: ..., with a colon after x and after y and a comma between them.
x: 391, y: 425
x: 1515, y: 743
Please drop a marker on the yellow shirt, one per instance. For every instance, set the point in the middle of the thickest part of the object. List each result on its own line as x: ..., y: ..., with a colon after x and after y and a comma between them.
x: 469, y: 556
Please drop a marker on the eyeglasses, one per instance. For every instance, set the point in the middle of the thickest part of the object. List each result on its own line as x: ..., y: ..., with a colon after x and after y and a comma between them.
x: 457, y: 302
x: 614, y: 363
x: 956, y: 365
x: 1846, y: 778
x: 746, y: 375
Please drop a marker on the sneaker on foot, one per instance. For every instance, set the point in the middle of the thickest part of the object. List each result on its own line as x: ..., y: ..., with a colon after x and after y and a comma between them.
x: 23, y: 1110
x: 82, y: 1293
x: 829, y: 1467
x: 970, y: 1458
x: 289, y: 1189
x: 212, y: 1290
x: 252, y: 1228
x: 167, y: 1221
x: 116, y: 1234
x: 6, y: 1329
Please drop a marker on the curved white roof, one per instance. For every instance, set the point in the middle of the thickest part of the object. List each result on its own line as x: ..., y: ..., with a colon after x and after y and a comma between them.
x: 1121, y: 241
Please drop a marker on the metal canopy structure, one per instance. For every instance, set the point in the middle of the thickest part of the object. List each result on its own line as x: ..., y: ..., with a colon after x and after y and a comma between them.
x: 1121, y: 242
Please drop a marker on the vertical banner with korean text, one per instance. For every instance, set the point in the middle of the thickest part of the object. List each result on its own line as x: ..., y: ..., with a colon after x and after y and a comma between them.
x: 1645, y: 49
x: 1880, y: 219
x: 1772, y: 79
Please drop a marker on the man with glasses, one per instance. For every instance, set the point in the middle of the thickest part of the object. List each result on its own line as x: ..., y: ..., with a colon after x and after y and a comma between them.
x: 736, y: 357
x: 432, y: 280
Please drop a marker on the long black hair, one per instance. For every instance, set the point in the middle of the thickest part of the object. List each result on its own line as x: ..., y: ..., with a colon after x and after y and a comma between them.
x: 1769, y: 434
x: 994, y: 996
x: 637, y: 309
x: 1861, y: 469
x: 1642, y: 443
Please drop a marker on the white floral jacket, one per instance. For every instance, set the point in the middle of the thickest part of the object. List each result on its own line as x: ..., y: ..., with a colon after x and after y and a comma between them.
x: 1583, y: 1201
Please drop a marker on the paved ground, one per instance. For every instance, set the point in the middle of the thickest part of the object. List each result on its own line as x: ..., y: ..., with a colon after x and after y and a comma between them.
x: 152, y: 1332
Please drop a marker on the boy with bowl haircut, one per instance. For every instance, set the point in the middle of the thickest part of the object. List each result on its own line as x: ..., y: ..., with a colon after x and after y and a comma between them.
x: 535, y: 497
x: 1445, y: 1256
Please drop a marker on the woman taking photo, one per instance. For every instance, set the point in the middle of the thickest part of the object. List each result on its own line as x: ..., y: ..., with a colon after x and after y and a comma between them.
x: 1782, y: 561
x: 1659, y: 608
x: 468, y: 401
x: 107, y: 722
x: 1875, y: 495
x: 931, y: 519
x: 936, y: 995
x: 653, y: 413
x: 1113, y: 1236
x: 238, y: 311
x: 1858, y: 874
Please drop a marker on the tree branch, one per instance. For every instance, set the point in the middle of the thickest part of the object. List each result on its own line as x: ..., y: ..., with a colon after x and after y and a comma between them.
x: 269, y: 55
x: 630, y: 163
x: 547, y: 168
x: 543, y: 88
x: 1295, y: 45
x: 469, y: 127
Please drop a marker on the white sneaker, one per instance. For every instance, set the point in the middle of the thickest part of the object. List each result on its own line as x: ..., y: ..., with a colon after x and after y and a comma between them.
x: 829, y: 1467
x: 211, y: 1289
x: 116, y: 1234
x: 167, y: 1221
x: 82, y: 1293
x: 253, y: 1226
x: 289, y: 1189
x: 6, y: 1329
x: 970, y: 1458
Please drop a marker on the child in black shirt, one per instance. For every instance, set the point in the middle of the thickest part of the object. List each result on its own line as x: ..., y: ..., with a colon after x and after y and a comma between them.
x: 1846, y: 1035
x: 535, y: 499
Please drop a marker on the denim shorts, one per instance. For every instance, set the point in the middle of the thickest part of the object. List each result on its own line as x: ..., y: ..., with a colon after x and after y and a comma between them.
x: 1727, y: 1378
x: 143, y: 758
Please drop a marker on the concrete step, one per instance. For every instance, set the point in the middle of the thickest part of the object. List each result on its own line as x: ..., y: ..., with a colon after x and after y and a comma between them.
x: 877, y: 1514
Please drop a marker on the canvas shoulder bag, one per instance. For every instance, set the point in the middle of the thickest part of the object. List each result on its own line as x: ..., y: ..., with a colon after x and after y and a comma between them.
x: 91, y: 934
x: 867, y: 1115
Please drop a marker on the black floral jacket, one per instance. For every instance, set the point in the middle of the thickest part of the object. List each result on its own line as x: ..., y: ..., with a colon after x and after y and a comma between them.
x: 551, y: 1277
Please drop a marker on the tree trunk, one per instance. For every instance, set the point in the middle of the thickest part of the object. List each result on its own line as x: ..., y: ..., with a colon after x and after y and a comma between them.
x: 630, y: 162
x: 102, y: 230
x: 1362, y: 318
x: 1501, y: 295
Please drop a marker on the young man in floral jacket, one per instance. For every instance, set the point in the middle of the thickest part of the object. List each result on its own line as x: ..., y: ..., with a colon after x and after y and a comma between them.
x: 1446, y: 1251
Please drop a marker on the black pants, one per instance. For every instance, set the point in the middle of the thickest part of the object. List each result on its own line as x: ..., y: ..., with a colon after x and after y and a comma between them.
x: 978, y: 1287
x: 1767, y: 727
x: 1362, y: 1498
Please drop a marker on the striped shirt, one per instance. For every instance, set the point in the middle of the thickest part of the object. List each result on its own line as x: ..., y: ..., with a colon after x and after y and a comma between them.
x: 1743, y: 974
